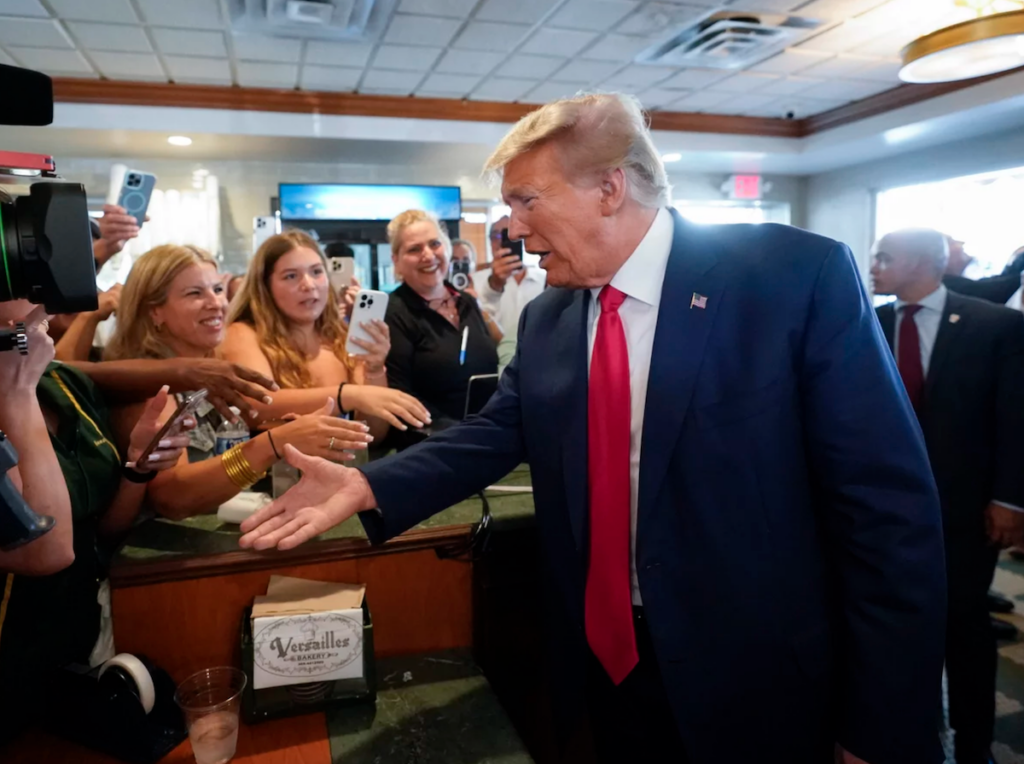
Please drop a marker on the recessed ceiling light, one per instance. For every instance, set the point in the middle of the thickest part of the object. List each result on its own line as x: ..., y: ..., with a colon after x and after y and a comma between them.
x: 673, y: 157
x: 179, y: 140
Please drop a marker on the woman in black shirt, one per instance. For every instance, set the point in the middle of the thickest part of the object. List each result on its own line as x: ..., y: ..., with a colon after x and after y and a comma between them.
x: 428, y: 319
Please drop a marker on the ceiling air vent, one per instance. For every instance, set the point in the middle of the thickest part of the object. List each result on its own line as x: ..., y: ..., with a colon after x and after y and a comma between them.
x: 312, y: 19
x: 729, y: 40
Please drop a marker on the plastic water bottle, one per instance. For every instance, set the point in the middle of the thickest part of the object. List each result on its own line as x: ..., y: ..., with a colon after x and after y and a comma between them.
x: 230, y: 433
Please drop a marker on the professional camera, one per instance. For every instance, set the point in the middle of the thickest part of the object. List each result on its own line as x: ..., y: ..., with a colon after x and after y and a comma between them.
x: 45, y: 257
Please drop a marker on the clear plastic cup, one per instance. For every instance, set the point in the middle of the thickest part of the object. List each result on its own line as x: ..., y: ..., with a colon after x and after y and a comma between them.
x: 210, y: 700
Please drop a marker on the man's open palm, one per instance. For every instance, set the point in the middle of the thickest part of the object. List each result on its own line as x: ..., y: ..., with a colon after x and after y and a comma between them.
x: 326, y: 495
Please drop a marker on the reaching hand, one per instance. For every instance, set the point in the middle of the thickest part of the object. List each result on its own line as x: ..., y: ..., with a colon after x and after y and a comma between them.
x: 1005, y: 526
x: 109, y: 301
x: 116, y: 228
x: 324, y: 435
x: 227, y: 384
x: 348, y: 298
x: 384, y: 403
x: 377, y: 351
x: 22, y: 372
x: 326, y: 495
x: 504, y: 265
x: 169, y: 451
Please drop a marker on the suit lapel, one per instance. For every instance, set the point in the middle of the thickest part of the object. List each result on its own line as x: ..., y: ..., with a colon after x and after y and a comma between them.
x: 945, y: 339
x: 679, y: 343
x: 887, y: 318
x: 571, y: 343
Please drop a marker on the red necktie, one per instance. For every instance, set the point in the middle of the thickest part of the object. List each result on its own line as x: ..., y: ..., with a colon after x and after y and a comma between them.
x: 909, y: 359
x: 609, y: 602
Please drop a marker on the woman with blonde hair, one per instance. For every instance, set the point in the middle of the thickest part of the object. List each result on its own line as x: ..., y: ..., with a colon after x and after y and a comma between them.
x: 174, y: 305
x: 285, y: 323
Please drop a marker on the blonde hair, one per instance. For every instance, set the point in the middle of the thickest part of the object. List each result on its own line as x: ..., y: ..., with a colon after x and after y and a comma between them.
x: 401, y: 221
x: 136, y: 335
x: 595, y: 133
x: 254, y: 305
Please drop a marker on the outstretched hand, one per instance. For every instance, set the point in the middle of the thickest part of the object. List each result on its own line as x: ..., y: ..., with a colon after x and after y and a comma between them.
x: 326, y: 495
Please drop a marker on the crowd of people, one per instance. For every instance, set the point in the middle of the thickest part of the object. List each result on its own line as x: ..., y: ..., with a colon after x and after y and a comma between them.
x: 269, y: 347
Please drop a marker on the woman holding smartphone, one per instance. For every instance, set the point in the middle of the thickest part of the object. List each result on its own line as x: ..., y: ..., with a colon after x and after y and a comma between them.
x: 286, y: 323
x: 174, y: 305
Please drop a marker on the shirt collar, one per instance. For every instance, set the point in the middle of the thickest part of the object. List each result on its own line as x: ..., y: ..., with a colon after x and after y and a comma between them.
x: 935, y: 301
x: 643, y: 274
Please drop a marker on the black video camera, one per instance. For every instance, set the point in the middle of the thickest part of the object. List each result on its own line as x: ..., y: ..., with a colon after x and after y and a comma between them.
x: 45, y: 257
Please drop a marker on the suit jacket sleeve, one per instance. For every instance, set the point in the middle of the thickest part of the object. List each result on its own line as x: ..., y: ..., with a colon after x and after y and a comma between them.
x: 1009, y: 450
x: 880, y: 510
x: 997, y: 289
x: 450, y: 466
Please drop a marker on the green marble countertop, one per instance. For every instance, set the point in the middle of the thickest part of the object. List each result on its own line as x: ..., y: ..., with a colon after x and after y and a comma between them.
x: 435, y: 708
x: 162, y: 539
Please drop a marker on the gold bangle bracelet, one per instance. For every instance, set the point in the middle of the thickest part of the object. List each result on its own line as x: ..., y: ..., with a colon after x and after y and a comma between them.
x: 238, y: 469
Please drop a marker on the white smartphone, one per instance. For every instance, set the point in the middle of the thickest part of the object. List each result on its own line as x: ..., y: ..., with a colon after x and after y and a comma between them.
x: 340, y: 271
x: 263, y: 227
x: 136, y: 191
x: 370, y: 305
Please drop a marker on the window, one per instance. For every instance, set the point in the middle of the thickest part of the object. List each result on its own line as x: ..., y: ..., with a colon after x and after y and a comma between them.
x: 713, y: 213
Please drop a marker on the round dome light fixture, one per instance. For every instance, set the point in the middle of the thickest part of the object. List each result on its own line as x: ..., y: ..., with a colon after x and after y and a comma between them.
x: 975, y: 48
x: 179, y: 140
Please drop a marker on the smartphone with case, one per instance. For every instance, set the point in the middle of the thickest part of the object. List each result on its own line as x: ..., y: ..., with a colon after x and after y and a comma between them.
x: 187, y: 407
x: 340, y: 271
x: 263, y: 227
x: 516, y: 245
x: 370, y: 305
x: 136, y: 191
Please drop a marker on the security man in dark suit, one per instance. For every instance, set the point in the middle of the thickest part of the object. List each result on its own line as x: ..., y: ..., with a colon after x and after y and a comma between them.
x: 962, y: 362
x: 997, y: 289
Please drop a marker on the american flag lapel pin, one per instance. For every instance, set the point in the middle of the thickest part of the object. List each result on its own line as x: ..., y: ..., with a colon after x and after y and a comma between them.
x: 698, y: 301
x: 954, y: 317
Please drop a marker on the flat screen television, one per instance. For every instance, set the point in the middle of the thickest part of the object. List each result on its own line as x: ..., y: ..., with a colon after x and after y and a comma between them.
x: 351, y: 201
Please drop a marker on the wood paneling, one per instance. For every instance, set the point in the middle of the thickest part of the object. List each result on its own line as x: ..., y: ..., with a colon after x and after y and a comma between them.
x: 419, y: 603
x: 476, y: 233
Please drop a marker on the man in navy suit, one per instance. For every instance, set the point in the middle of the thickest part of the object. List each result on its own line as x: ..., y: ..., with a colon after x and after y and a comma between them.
x: 740, y: 528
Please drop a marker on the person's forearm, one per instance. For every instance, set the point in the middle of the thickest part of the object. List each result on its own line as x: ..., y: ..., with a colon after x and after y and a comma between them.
x: 76, y: 344
x: 41, y: 483
x: 123, y: 510
x: 378, y: 427
x: 198, y: 488
x: 134, y: 380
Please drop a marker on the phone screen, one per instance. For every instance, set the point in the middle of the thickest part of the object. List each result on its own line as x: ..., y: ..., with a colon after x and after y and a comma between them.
x: 516, y: 245
x: 186, y: 408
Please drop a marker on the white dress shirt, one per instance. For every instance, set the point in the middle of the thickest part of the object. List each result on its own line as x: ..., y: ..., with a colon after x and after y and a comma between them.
x: 506, y: 306
x: 640, y: 278
x: 929, y: 320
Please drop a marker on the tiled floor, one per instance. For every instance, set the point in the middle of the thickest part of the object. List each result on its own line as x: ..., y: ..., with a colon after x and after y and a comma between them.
x: 1009, y: 745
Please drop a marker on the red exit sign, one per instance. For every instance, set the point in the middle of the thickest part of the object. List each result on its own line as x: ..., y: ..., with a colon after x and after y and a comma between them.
x: 746, y: 187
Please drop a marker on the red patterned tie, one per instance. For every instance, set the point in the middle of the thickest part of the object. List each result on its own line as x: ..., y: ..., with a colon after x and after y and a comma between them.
x: 609, y: 606
x: 909, y: 359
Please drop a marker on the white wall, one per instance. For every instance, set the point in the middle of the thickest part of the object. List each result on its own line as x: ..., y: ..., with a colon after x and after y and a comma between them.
x: 841, y: 204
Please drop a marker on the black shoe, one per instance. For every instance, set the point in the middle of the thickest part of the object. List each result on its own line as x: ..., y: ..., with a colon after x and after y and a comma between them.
x: 997, y: 603
x: 1004, y: 631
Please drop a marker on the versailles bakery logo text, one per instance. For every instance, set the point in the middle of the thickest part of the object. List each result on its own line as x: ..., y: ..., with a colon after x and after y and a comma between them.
x: 310, y: 647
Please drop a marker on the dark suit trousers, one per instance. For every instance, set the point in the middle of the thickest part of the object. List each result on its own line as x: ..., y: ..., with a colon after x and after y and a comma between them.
x: 970, y: 644
x: 633, y: 722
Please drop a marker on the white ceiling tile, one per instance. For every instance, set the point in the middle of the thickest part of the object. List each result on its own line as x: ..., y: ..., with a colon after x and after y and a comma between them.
x: 23, y: 8
x: 585, y: 71
x: 330, y: 78
x: 789, y: 86
x: 695, y: 79
x: 839, y: 66
x: 842, y: 38
x: 455, y: 85
x: 744, y: 82
x: 488, y: 35
x: 377, y: 80
x: 790, y: 61
x: 129, y: 39
x: 111, y: 11
x: 659, y: 98
x: 806, y: 107
x: 251, y: 47
x: 52, y: 61
x: 189, y: 42
x: 338, y: 53
x: 558, y: 42
x: 703, y: 101
x: 406, y: 58
x: 458, y: 9
x: 771, y: 110
x: 33, y: 33
x: 640, y: 76
x: 837, y: 9
x: 255, y: 74
x: 550, y: 91
x: 460, y: 61
x: 525, y: 66
x: 192, y: 14
x: 497, y: 89
x: 888, y: 45
x: 128, y: 65
x: 743, y: 104
x: 595, y: 15
x: 850, y: 90
x: 656, y: 18
x: 616, y: 47
x: 520, y: 11
x: 407, y: 29
x: 204, y: 71
x: 884, y: 70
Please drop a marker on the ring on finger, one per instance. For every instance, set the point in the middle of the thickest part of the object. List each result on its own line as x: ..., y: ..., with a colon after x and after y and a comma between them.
x: 330, y: 446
